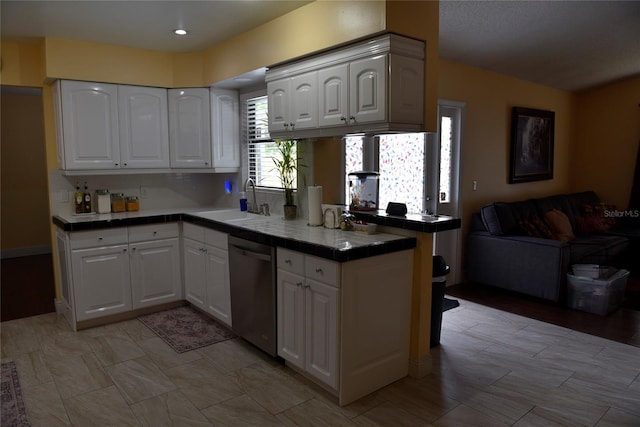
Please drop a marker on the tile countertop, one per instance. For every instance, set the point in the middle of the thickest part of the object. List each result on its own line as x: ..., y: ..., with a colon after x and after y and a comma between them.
x: 414, y: 222
x: 333, y: 244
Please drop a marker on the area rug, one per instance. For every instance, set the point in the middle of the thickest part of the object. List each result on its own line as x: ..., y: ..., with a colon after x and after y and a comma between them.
x: 185, y: 329
x: 449, y: 303
x: 14, y: 413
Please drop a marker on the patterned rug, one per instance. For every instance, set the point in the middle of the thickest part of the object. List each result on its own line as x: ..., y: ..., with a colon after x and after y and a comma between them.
x: 185, y: 329
x: 14, y: 413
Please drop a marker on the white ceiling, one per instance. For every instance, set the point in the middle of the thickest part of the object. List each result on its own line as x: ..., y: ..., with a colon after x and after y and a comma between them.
x: 570, y: 45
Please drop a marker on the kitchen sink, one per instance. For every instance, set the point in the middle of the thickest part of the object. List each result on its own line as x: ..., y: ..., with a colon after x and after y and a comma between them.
x: 224, y: 215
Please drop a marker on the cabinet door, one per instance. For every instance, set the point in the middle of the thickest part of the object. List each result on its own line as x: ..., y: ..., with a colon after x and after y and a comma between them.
x: 290, y: 305
x: 64, y: 271
x: 144, y: 129
x: 218, y: 295
x: 101, y: 281
x: 321, y: 334
x: 225, y: 128
x: 90, y: 125
x: 190, y: 128
x: 278, y: 99
x: 406, y: 90
x: 155, y: 272
x: 333, y: 97
x: 303, y: 112
x: 194, y: 273
x: 368, y: 89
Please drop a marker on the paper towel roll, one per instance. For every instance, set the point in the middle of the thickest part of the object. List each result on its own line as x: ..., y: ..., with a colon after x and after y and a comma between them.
x: 315, y: 205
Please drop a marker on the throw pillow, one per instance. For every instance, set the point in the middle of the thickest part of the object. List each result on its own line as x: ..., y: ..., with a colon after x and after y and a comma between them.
x: 559, y: 224
x: 595, y: 217
x: 535, y: 227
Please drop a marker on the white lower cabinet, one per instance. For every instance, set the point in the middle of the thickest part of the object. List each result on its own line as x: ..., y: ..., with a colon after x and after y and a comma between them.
x: 100, y: 273
x: 307, y: 317
x: 345, y: 325
x: 206, y: 271
x: 154, y: 252
x: 117, y: 270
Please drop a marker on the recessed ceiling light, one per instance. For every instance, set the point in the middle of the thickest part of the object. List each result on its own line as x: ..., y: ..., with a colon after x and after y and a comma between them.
x: 180, y: 32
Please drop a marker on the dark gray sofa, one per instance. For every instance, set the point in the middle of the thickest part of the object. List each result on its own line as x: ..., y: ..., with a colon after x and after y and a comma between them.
x: 503, y: 251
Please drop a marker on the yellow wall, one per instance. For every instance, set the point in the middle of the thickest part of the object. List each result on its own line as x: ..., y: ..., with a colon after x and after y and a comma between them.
x: 318, y: 25
x: 25, y: 208
x: 22, y: 64
x: 485, y: 157
x: 607, y: 138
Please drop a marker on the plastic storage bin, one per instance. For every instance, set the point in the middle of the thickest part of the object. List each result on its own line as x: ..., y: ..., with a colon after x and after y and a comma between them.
x: 601, y: 295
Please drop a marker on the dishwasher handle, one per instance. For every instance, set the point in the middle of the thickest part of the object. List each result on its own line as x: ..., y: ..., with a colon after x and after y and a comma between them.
x: 252, y: 254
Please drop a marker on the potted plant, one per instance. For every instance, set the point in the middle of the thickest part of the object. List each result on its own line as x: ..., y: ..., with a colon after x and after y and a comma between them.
x: 287, y: 166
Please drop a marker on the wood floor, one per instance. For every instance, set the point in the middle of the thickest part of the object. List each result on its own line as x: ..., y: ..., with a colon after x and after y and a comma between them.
x: 623, y: 325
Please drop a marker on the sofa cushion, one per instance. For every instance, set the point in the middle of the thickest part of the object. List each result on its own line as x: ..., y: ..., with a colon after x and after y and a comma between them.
x: 559, y: 224
x: 505, y: 218
x: 595, y: 217
x: 536, y: 227
x: 601, y: 249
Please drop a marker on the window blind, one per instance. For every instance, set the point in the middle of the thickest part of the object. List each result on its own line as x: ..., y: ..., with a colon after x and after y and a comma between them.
x: 261, y: 147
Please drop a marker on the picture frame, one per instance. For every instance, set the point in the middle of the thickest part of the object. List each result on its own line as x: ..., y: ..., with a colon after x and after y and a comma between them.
x: 532, y: 138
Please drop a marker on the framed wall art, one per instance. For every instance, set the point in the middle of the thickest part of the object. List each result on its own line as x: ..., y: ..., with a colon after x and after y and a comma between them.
x: 532, y: 134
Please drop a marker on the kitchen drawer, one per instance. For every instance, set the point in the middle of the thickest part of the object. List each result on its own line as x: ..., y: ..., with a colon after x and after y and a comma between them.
x: 290, y: 261
x: 216, y: 239
x: 193, y: 232
x: 97, y: 238
x: 143, y: 233
x: 322, y: 270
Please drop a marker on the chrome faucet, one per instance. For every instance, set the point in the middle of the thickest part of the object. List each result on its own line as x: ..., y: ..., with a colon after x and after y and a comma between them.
x: 251, y: 208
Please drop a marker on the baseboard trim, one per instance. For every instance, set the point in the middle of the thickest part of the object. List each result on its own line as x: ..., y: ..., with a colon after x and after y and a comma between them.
x: 26, y: 251
x: 420, y: 368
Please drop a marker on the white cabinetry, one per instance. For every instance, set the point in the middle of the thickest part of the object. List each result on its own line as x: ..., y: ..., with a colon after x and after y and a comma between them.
x: 359, y: 310
x: 154, y: 252
x: 190, y: 128
x: 144, y: 130
x: 88, y: 132
x: 116, y: 270
x: 100, y: 272
x: 293, y: 103
x: 225, y: 129
x: 376, y: 85
x: 308, y: 314
x: 107, y: 126
x: 206, y: 271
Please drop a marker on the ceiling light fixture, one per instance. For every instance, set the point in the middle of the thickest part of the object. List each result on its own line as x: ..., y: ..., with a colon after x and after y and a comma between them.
x: 180, y: 32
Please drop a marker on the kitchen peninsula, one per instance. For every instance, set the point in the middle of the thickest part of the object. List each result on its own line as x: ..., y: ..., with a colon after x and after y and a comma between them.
x: 356, y: 287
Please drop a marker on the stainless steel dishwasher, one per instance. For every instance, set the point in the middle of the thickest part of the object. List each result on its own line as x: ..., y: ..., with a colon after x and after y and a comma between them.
x: 252, y: 274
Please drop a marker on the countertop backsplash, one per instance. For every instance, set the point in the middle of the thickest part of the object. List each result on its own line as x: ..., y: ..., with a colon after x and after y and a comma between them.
x: 161, y: 191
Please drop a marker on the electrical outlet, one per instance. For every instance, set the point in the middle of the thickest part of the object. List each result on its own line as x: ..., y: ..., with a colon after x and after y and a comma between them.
x: 64, y: 196
x: 143, y: 192
x: 475, y: 185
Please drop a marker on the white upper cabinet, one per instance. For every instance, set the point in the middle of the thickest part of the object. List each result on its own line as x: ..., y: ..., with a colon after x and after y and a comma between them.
x: 190, y: 128
x: 88, y: 120
x: 225, y: 129
x: 376, y: 85
x: 367, y: 90
x: 293, y: 103
x: 144, y: 130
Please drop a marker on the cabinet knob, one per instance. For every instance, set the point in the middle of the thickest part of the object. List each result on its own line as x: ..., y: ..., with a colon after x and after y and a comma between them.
x: 206, y: 163
x: 155, y: 232
x: 100, y: 238
x: 293, y: 126
x: 343, y: 118
x: 116, y: 164
x: 286, y: 125
x: 124, y: 250
x: 124, y: 164
x: 319, y: 270
x: 287, y: 261
x: 353, y: 119
x: 307, y: 286
x: 299, y: 284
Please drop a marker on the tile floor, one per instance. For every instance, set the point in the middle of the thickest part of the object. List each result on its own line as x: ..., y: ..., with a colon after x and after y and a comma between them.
x: 492, y: 368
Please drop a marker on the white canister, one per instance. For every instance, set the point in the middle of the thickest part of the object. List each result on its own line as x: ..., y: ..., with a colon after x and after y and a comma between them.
x: 104, y: 201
